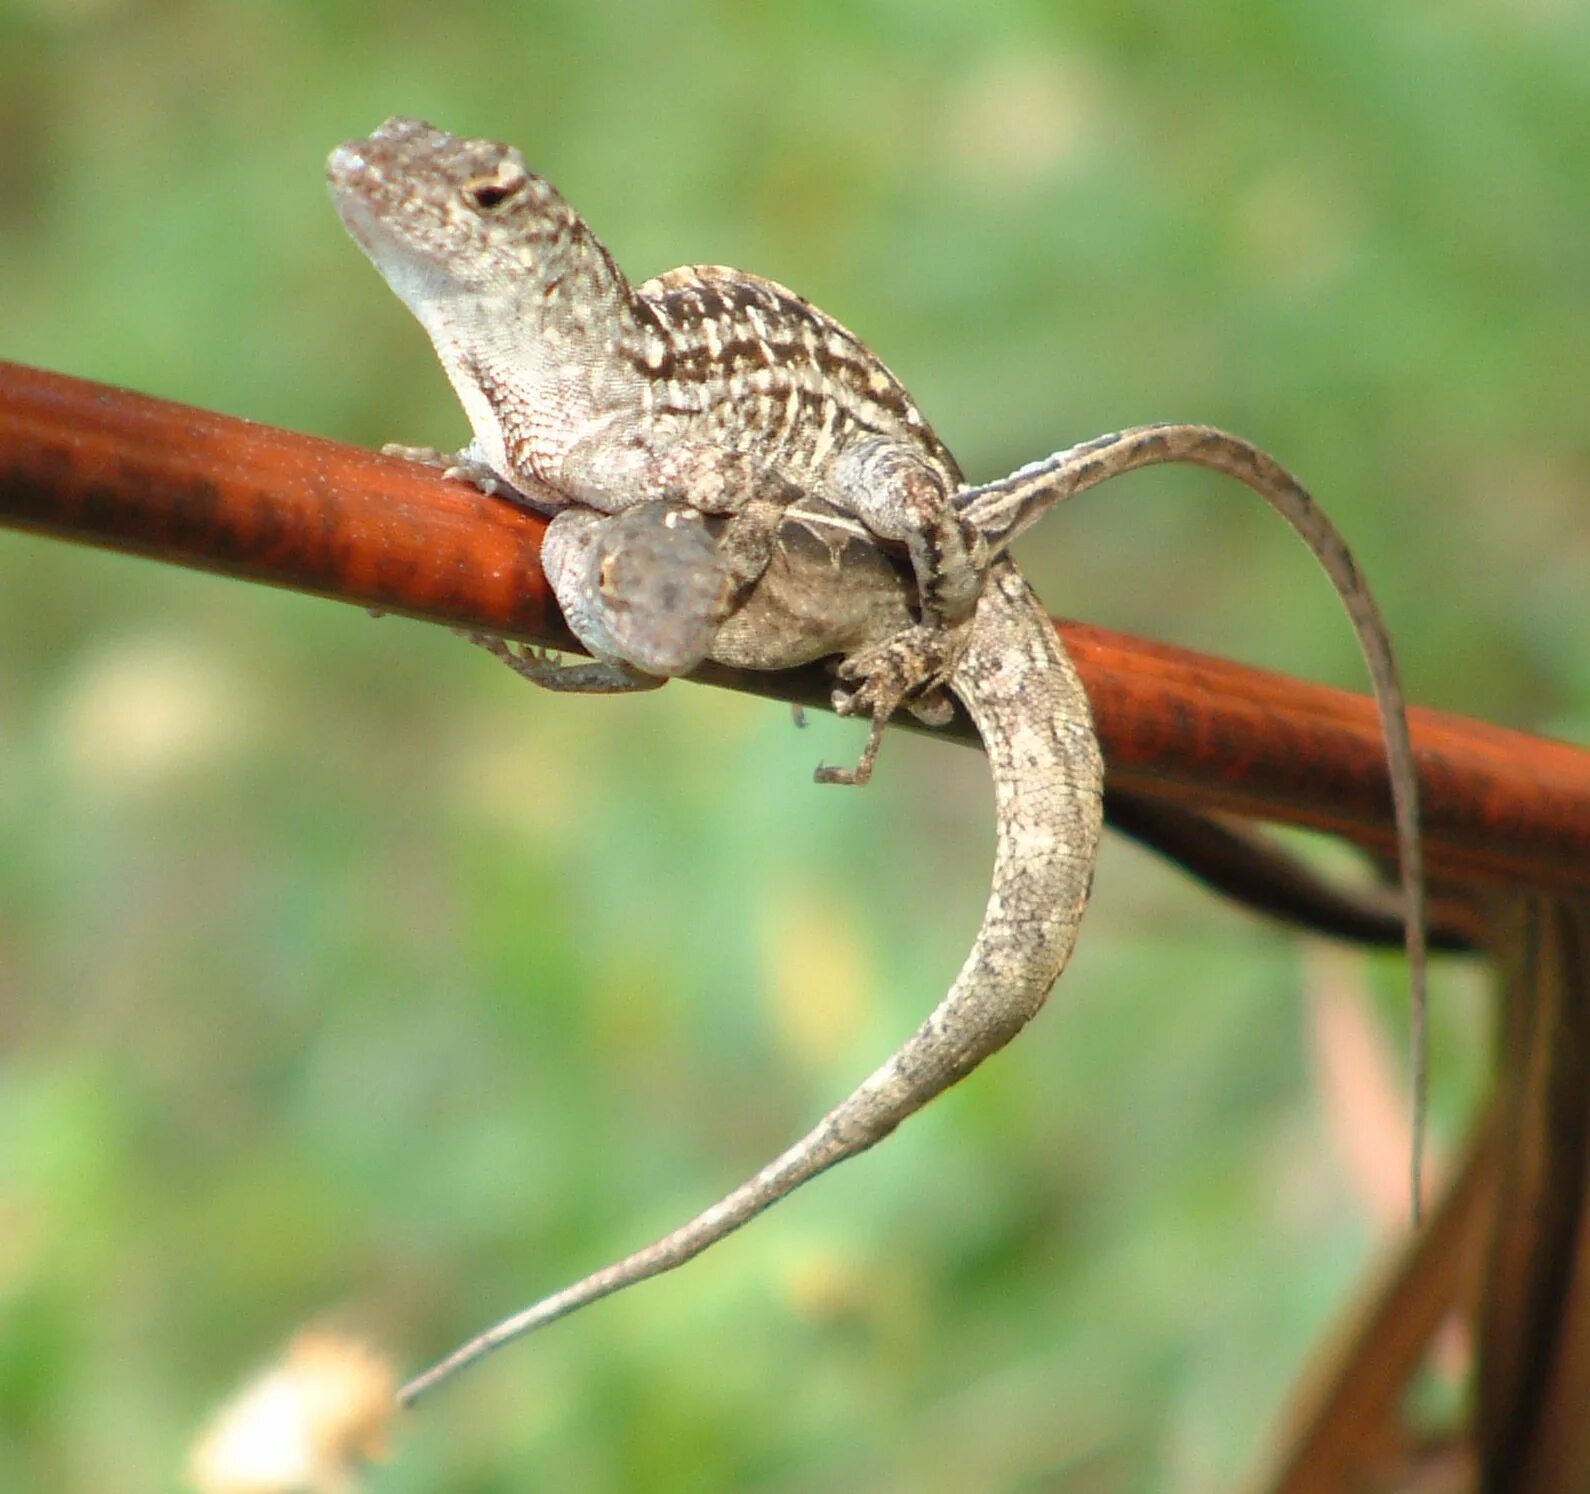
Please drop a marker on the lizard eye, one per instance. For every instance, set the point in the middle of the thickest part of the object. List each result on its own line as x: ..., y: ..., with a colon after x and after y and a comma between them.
x: 490, y: 194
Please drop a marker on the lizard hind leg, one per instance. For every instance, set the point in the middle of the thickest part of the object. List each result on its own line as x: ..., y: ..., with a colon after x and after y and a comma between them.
x: 860, y: 775
x: 902, y: 497
x: 911, y: 669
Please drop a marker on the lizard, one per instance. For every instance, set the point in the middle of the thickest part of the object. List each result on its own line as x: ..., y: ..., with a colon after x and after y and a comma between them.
x: 725, y: 392
x: 705, y: 384
x: 733, y: 394
x: 827, y: 588
x: 651, y: 594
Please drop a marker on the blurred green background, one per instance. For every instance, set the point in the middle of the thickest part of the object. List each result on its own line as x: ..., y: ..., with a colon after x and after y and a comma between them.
x: 344, y: 978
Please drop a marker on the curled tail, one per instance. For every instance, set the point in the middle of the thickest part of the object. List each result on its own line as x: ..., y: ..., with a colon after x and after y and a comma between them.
x: 1027, y: 702
x: 1004, y: 509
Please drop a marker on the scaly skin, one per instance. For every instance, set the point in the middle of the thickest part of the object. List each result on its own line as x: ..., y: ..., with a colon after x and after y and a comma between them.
x: 720, y: 391
x: 826, y: 589
x: 1001, y: 511
x: 706, y: 385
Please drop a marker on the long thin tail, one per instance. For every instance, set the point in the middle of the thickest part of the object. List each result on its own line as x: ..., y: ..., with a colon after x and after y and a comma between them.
x: 1004, y: 509
x: 1027, y: 702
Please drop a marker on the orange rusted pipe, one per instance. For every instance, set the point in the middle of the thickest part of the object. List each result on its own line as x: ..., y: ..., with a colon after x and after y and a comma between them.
x: 102, y: 466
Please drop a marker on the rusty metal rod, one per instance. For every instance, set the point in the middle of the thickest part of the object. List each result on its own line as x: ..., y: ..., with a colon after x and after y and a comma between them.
x: 101, y: 466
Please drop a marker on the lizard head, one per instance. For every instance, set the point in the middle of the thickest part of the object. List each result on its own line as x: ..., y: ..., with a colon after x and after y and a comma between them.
x: 522, y: 303
x: 662, y: 583
x: 452, y: 222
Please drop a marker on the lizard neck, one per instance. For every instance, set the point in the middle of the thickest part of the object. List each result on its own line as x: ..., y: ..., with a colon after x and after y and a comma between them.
x: 540, y: 358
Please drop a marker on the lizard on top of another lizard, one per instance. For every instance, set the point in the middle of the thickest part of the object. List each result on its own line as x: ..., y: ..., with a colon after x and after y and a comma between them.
x: 706, y: 385
x: 723, y: 392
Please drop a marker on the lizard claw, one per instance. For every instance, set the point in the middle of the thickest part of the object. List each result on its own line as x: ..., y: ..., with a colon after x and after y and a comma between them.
x: 480, y: 476
x: 423, y: 456
x: 457, y: 466
x: 917, y: 662
x: 533, y: 663
x: 498, y: 647
x: 858, y: 776
x: 910, y: 669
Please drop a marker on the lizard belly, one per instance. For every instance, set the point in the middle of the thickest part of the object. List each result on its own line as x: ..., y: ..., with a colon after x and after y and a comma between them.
x: 827, y: 589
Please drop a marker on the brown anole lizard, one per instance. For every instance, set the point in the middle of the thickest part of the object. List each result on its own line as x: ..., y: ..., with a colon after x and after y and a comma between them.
x: 730, y: 395
x: 652, y: 592
x: 828, y: 589
x: 706, y: 385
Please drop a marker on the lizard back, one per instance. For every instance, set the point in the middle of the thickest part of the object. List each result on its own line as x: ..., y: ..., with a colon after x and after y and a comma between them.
x: 728, y: 355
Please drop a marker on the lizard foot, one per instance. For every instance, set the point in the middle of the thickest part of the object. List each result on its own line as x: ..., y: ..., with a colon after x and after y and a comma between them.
x: 914, y: 664
x: 910, y: 669
x: 860, y: 775
x: 535, y: 664
x: 458, y: 466
x: 541, y: 667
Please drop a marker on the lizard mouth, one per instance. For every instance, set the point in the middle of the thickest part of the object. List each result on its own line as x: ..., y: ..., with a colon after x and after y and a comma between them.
x: 390, y: 185
x: 371, y: 172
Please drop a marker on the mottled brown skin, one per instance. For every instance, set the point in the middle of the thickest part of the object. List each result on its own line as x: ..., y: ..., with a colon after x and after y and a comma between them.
x: 706, y: 385
x: 824, y: 588
x: 1003, y: 510
x: 722, y: 392
x: 827, y: 589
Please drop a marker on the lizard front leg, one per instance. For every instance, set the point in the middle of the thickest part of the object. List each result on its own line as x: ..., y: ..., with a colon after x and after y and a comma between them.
x: 900, y: 496
x: 598, y: 677
x: 468, y: 465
